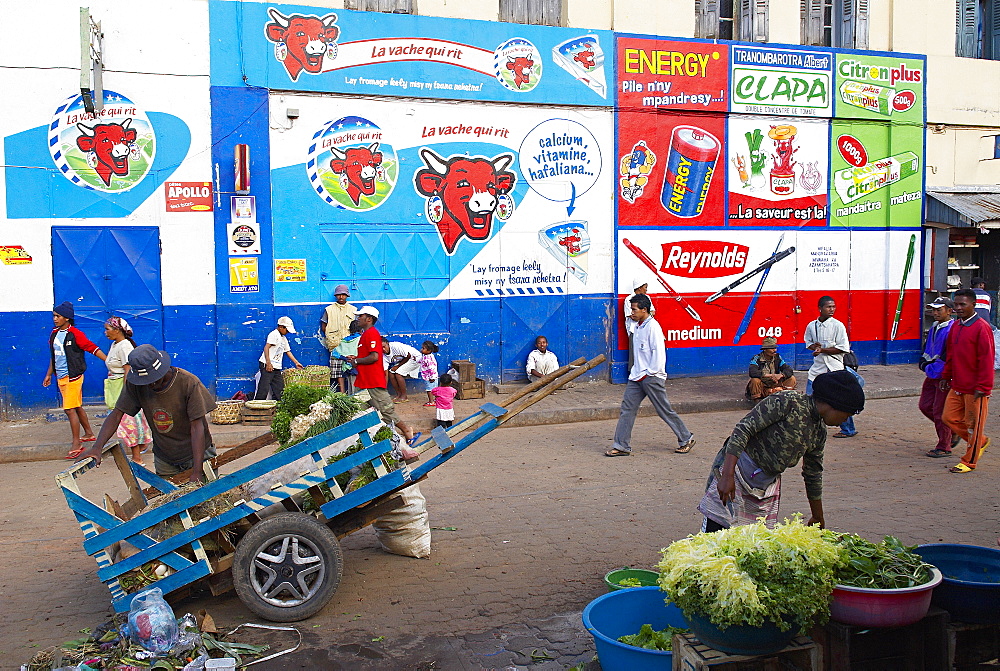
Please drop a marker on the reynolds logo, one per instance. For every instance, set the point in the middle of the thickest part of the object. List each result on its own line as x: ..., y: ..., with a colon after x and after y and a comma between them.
x: 703, y: 258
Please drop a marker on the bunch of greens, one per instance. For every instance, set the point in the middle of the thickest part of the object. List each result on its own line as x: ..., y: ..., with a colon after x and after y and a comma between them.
x: 630, y: 582
x: 749, y: 574
x: 653, y: 640
x: 295, y: 400
x: 349, y: 482
x: 885, y: 565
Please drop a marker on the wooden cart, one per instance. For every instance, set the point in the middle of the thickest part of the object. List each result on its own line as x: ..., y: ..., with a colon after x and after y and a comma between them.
x: 286, y: 566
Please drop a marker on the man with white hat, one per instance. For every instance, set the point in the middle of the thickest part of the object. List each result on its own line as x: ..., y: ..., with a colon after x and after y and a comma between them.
x: 270, y: 361
x: 176, y: 404
x: 371, y: 376
x: 639, y: 286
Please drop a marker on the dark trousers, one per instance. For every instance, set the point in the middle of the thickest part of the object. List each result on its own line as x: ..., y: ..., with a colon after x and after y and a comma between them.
x: 932, y: 399
x: 446, y: 423
x: 269, y: 380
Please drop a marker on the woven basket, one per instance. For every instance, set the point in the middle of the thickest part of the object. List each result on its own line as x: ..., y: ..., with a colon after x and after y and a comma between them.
x: 226, y: 412
x: 312, y: 376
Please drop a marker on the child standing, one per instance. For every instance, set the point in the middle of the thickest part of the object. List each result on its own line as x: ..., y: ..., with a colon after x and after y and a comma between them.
x: 429, y: 370
x: 340, y: 365
x: 444, y: 397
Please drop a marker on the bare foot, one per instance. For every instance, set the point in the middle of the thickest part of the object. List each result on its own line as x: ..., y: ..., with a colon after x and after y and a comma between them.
x: 408, y: 453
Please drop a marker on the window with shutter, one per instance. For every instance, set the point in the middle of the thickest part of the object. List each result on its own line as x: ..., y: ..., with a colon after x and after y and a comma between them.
x: 861, y: 24
x: 533, y: 12
x: 992, y: 45
x: 845, y: 24
x: 389, y: 6
x: 714, y: 19
x: 966, y: 22
x: 752, y: 23
x: 815, y: 30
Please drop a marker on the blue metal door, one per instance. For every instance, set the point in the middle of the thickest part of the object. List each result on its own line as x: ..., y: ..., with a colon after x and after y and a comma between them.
x: 107, y: 271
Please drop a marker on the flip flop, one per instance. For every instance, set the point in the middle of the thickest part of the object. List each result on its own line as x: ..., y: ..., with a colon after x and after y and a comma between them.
x: 960, y: 468
x: 686, y: 447
x: 88, y: 440
x: 413, y: 441
x: 428, y: 405
x: 73, y: 454
x: 615, y: 452
x: 938, y: 453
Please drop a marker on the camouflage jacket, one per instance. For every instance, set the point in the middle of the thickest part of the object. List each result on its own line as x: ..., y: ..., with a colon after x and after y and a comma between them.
x: 780, y: 430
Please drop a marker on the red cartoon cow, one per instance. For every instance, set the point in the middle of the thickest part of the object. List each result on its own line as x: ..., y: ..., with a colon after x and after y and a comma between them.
x: 468, y: 188
x: 586, y: 58
x: 359, y: 165
x: 305, y: 37
x: 111, y: 144
x: 521, y: 67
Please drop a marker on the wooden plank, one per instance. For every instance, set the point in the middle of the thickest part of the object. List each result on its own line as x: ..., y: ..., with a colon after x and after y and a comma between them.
x: 243, y: 449
x: 359, y: 518
x: 541, y: 382
x: 318, y: 497
x: 551, y: 387
x: 134, y: 490
x: 221, y: 582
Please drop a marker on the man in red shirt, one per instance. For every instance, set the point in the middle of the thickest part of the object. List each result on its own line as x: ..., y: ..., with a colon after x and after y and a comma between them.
x: 371, y: 376
x: 968, y: 373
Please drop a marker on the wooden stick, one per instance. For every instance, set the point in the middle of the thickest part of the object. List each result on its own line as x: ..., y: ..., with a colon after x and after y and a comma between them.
x: 134, y: 490
x: 551, y: 387
x: 541, y: 382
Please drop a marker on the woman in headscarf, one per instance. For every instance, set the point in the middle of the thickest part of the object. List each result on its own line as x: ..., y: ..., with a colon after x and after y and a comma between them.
x: 132, y: 431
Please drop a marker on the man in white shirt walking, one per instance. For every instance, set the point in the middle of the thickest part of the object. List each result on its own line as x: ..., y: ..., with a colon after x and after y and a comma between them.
x: 647, y: 378
x: 827, y: 338
x: 275, y: 349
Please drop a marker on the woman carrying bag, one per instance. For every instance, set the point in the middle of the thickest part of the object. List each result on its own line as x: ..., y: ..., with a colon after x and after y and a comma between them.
x: 132, y: 431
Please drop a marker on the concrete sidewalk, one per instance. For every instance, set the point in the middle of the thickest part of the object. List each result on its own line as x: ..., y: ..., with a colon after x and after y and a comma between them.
x: 39, y: 439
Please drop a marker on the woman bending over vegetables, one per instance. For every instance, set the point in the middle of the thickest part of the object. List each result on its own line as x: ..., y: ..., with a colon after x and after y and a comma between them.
x: 745, y: 481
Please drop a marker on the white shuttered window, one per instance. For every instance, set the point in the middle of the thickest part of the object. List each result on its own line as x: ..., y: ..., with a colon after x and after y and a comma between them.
x: 389, y: 6
x: 533, y: 12
x: 834, y: 23
x: 743, y: 20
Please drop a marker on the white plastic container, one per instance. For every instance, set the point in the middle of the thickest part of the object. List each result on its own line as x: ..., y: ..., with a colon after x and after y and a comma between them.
x: 221, y: 664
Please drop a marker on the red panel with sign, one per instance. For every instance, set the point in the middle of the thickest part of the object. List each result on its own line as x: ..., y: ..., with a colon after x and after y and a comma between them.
x: 188, y: 196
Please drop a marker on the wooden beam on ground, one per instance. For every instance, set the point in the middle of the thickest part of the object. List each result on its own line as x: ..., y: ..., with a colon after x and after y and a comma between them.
x: 551, y: 387
x: 541, y: 382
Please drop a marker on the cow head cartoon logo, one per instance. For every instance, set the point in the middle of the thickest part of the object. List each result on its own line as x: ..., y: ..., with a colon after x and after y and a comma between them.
x: 111, y: 153
x: 586, y: 57
x: 520, y: 67
x: 301, y: 42
x: 111, y: 144
x: 469, y: 190
x: 358, y: 167
x: 517, y: 65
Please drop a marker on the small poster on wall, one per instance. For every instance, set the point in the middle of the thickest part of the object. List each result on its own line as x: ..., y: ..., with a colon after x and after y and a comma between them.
x: 242, y: 209
x: 289, y: 270
x: 243, y: 276
x: 243, y: 238
x: 188, y: 196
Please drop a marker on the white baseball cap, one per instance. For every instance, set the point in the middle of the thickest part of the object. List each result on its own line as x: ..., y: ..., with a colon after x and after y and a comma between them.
x: 368, y: 310
x: 638, y: 282
x: 287, y: 323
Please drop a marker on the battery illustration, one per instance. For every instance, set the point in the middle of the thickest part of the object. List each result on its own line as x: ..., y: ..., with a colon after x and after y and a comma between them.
x: 568, y: 242
x: 690, y: 166
x: 854, y: 183
x: 868, y: 96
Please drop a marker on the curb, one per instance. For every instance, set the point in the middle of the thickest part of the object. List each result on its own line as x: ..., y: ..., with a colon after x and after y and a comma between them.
x: 10, y: 455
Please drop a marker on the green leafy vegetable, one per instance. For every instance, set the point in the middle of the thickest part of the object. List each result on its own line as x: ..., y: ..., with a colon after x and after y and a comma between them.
x: 885, y: 565
x: 653, y: 640
x: 630, y: 582
x: 748, y: 574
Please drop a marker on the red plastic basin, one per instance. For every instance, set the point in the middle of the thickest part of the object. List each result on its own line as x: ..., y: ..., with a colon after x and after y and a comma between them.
x: 868, y: 607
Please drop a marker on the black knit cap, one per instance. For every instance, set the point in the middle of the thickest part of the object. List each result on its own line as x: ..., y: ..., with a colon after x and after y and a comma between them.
x: 840, y: 390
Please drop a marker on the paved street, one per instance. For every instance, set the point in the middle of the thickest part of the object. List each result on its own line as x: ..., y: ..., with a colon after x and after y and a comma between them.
x: 540, y: 516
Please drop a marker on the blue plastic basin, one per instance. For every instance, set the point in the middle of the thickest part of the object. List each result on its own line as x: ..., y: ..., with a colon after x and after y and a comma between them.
x: 741, y: 639
x: 970, y: 591
x: 623, y: 612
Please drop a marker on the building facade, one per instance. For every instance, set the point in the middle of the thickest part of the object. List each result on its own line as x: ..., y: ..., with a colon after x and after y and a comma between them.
x: 484, y: 182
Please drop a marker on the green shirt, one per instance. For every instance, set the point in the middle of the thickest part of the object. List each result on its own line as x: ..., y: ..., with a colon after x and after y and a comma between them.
x: 780, y: 430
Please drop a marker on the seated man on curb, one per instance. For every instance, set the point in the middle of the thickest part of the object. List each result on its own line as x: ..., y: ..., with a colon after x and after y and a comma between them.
x: 769, y: 373
x: 177, y: 405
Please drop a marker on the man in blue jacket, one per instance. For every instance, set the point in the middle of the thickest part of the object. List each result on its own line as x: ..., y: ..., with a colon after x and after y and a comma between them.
x: 933, y: 393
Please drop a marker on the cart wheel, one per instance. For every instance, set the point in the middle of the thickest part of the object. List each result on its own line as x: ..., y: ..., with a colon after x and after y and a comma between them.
x: 287, y: 567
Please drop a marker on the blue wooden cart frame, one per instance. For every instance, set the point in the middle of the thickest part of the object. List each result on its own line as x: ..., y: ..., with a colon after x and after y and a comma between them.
x: 105, y: 525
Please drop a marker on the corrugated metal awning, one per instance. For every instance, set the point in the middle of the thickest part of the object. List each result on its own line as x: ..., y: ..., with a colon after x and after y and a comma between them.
x: 965, y: 206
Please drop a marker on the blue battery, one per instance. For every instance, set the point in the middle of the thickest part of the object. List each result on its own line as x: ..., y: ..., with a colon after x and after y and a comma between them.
x: 690, y: 166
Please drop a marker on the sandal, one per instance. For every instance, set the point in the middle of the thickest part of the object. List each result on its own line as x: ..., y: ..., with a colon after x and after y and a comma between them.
x: 686, y: 447
x: 73, y: 454
x: 88, y: 440
x: 428, y: 405
x: 615, y: 452
x: 938, y: 453
x: 413, y: 441
x: 841, y: 434
x: 960, y: 468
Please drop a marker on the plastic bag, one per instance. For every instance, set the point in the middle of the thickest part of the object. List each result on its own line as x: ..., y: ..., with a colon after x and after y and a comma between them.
x: 406, y: 530
x: 151, y: 622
